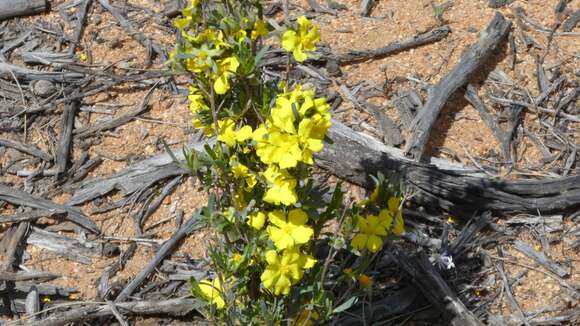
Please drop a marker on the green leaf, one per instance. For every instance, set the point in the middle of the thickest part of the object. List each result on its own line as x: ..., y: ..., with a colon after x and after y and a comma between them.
x: 346, y: 305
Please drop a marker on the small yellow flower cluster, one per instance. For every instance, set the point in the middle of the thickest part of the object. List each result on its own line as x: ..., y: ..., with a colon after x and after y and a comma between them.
x: 301, y: 40
x: 293, y: 133
x: 373, y: 229
x: 210, y: 54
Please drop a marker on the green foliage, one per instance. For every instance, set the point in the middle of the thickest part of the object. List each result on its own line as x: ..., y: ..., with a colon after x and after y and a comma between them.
x: 270, y: 220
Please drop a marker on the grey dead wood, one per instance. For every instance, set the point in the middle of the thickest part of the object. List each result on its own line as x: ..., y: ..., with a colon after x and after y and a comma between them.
x: 431, y: 36
x: 540, y: 258
x: 194, y: 223
x: 131, y: 30
x: 428, y: 280
x: 70, y: 248
x: 21, y: 198
x: 32, y: 304
x: 9, y: 71
x: 354, y: 156
x: 81, y: 17
x: 12, y: 245
x: 392, y: 304
x: 504, y: 137
x: 439, y: 183
x: 471, y: 61
x: 389, y: 129
x: 28, y: 276
x: 407, y: 104
x: 171, y: 307
x: 65, y: 142
x: 572, y: 21
x: 25, y: 148
x: 365, y: 7
x: 42, y: 288
x: 11, y: 249
x: 512, y: 302
x: 466, y: 239
x: 119, y: 121
x: 15, y: 8
x: 318, y: 8
x: 45, y: 58
x: 496, y: 4
x: 571, y: 317
x: 135, y: 177
x: 172, y: 8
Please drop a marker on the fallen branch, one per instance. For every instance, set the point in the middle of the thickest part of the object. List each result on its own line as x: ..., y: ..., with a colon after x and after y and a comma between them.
x: 470, y: 62
x: 25, y: 148
x: 540, y: 258
x: 435, y: 290
x: 14, y: 8
x: 172, y: 307
x: 10, y: 71
x: 431, y: 36
x: 70, y: 248
x: 27, y: 276
x: 167, y: 248
x: 19, y: 197
x: 354, y: 156
x: 439, y: 183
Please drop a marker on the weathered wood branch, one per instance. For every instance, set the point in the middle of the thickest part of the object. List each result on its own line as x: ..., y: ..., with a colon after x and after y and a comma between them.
x: 439, y: 183
x: 172, y: 307
x: 70, y: 248
x: 131, y: 29
x: 25, y: 148
x: 172, y: 8
x: 119, y: 121
x: 435, y: 290
x: 10, y: 71
x: 27, y: 276
x: 355, y: 157
x: 65, y: 143
x: 431, y: 36
x: 471, y: 61
x: 15, y: 8
x: 167, y: 248
x: 19, y: 197
x: 540, y: 258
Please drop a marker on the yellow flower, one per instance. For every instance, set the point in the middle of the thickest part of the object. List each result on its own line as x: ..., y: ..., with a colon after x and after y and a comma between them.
x: 451, y: 219
x: 45, y: 299
x: 260, y: 29
x: 365, y: 281
x: 285, y: 269
x: 196, y: 100
x: 278, y: 148
x: 304, y: 39
x: 240, y: 35
x: 308, y: 144
x: 291, y: 231
x: 393, y: 213
x: 257, y: 220
x: 229, y: 136
x: 280, y: 142
x: 226, y: 68
x: 371, y: 230
x: 202, y: 59
x: 306, y: 318
x: 281, y: 187
x: 212, y: 292
x: 83, y: 57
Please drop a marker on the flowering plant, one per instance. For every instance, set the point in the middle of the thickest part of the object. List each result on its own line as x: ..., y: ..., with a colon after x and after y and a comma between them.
x: 265, y: 209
